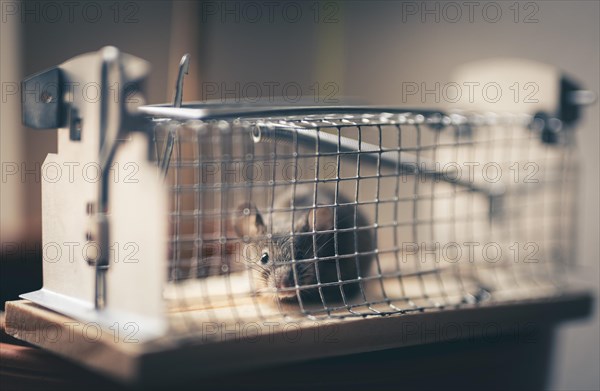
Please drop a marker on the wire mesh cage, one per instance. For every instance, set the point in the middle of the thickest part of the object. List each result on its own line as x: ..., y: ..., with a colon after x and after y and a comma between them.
x: 240, y: 213
x: 357, y: 212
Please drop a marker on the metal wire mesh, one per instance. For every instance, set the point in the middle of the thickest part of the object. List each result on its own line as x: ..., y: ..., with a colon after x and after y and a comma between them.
x: 354, y: 214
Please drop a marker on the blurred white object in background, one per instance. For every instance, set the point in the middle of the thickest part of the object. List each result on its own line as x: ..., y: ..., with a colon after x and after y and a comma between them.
x: 506, y: 85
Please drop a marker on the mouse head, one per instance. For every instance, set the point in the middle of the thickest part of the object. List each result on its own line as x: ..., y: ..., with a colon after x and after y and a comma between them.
x: 279, y: 260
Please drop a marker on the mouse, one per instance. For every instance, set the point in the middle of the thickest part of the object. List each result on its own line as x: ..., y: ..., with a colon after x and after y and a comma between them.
x: 290, y: 253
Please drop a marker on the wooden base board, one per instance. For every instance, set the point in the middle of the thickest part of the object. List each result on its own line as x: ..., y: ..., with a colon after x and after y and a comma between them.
x: 220, y: 349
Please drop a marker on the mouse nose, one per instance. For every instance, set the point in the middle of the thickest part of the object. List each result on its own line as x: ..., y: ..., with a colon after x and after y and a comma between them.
x: 286, y: 280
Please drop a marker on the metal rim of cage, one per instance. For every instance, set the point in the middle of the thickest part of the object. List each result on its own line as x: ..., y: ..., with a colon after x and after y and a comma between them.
x: 551, y: 129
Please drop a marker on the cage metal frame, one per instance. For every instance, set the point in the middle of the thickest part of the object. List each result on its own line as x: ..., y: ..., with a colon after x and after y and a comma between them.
x: 304, y: 125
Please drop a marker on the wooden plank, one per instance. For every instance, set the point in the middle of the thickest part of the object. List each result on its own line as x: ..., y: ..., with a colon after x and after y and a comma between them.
x: 219, y: 348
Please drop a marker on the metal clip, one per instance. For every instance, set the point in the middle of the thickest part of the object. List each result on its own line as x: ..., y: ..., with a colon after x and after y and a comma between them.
x: 552, y: 126
x: 184, y: 68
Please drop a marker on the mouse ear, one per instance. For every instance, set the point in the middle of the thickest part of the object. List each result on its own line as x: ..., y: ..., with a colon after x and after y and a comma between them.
x: 248, y: 221
x: 319, y: 219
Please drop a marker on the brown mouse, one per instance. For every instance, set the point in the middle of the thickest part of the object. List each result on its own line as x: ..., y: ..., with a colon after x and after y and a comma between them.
x: 288, y: 266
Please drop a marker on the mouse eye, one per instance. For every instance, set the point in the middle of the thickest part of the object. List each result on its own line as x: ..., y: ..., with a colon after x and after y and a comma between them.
x: 264, y: 259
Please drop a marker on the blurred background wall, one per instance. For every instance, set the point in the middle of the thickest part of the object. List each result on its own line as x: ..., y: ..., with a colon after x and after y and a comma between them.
x: 321, y: 51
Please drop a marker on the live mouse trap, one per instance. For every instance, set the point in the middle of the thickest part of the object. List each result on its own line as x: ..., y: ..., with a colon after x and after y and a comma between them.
x: 466, y: 216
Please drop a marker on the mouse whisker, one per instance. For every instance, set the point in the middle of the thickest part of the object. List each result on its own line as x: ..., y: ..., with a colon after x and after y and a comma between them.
x: 254, y: 267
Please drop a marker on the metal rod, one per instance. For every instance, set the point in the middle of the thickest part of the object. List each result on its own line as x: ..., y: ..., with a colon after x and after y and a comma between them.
x: 168, y: 152
x: 110, y: 127
x: 184, y: 67
x: 330, y: 143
